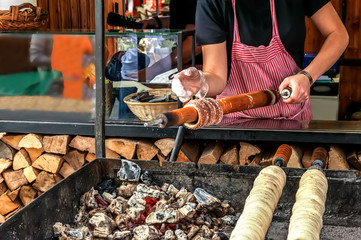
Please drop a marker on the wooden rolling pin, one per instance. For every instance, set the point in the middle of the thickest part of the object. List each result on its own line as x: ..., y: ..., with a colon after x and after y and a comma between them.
x: 229, y: 105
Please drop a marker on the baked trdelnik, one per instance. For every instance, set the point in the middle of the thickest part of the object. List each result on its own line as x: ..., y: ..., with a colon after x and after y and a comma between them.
x: 260, y: 204
x: 306, y: 219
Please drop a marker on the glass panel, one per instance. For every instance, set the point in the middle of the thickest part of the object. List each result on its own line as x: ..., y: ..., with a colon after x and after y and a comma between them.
x: 140, y: 61
x: 50, y: 76
x: 42, y: 77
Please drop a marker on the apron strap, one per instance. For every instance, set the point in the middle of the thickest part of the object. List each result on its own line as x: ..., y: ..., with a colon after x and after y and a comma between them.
x: 236, y: 37
x: 274, y: 19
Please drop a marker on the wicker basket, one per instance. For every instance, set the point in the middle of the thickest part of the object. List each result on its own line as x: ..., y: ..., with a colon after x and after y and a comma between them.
x: 149, y: 111
x: 24, y: 17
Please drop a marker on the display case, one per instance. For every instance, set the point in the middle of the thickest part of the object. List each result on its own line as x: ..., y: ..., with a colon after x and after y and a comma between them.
x: 50, y: 76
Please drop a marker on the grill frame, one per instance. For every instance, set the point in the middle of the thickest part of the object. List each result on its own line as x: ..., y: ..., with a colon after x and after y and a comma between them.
x: 342, y: 217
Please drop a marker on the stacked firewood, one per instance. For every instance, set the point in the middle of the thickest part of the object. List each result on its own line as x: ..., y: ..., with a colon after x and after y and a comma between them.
x: 31, y: 164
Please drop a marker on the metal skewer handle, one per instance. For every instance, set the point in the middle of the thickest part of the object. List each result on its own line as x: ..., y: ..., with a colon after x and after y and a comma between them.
x: 286, y: 93
x: 153, y: 123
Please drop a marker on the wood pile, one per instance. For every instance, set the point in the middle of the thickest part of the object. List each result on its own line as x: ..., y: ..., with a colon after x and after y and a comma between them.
x: 30, y: 164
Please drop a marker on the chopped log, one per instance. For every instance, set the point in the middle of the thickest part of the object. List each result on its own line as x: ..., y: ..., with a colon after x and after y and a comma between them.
x: 84, y: 144
x: 162, y: 158
x: 230, y: 155
x: 182, y: 157
x: 44, y: 181
x: 14, y: 179
x: 256, y: 161
x: 265, y: 157
x: 21, y: 160
x: 66, y: 170
x: 27, y: 194
x: 20, y: 206
x: 111, y: 154
x: 31, y: 174
x: 58, y: 177
x: 211, y: 153
x: 6, y: 205
x: 6, y: 151
x: 48, y: 162
x: 353, y: 159
x: 90, y: 157
x: 2, y: 218
x: 108, y: 154
x: 359, y: 154
x: 165, y: 145
x: 2, y: 134
x: 75, y: 158
x: 146, y: 149
x: 337, y: 158
x: 123, y: 146
x: 14, y: 194
x: 12, y: 140
x: 4, y: 164
x: 296, y: 157
x: 31, y: 141
x: 189, y: 150
x: 56, y: 144
x: 247, y: 151
x: 306, y: 159
x: 34, y: 153
x: 3, y: 188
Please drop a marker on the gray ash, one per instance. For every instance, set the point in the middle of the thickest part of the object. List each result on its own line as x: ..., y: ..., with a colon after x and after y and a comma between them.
x: 136, y: 211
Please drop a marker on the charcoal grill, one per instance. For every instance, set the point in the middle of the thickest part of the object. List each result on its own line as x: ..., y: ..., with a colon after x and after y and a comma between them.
x: 342, y: 218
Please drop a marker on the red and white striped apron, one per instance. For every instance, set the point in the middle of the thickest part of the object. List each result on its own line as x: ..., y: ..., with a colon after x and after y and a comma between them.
x: 260, y: 68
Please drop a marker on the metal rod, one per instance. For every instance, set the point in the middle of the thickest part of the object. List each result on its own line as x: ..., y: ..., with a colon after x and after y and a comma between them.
x: 193, y: 51
x: 153, y: 123
x: 177, y: 144
x: 123, y: 7
x: 180, y: 51
x: 179, y: 57
x: 157, y: 7
x: 100, y: 85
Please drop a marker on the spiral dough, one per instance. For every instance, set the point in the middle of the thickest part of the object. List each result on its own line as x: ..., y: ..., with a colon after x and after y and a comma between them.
x: 209, y: 112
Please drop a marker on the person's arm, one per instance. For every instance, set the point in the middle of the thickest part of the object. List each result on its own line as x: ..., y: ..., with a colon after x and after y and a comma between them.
x: 209, y: 82
x: 40, y: 51
x: 186, y: 49
x: 215, y: 67
x: 329, y: 24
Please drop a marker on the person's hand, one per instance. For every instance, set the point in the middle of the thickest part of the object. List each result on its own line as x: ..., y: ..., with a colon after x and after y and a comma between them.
x: 300, y: 88
x: 188, y: 83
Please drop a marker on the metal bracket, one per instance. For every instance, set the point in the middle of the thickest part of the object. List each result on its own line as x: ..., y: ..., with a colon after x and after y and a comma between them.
x: 177, y: 144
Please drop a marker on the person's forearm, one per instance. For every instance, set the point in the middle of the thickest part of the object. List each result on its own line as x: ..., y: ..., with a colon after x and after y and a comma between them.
x: 331, y: 27
x: 215, y: 67
x: 215, y: 83
x: 186, y: 49
x: 333, y: 47
x: 186, y: 52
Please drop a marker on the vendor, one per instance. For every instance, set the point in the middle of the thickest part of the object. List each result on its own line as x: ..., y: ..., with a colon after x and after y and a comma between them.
x: 262, y: 48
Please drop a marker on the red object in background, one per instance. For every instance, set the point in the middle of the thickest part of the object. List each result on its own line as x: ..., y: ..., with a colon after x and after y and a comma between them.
x: 154, y: 6
x: 137, y: 3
